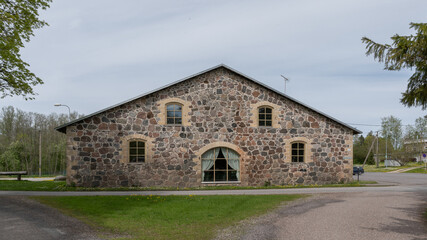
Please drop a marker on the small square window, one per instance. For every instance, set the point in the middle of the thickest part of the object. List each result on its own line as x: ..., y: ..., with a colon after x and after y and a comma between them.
x: 174, y: 114
x: 265, y: 117
x: 297, y: 154
x: 136, y: 151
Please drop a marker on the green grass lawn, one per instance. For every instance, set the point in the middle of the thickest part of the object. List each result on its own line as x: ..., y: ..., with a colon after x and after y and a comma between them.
x: 382, y: 168
x: 165, y: 217
x: 27, y: 176
x: 417, y: 170
x: 11, y: 185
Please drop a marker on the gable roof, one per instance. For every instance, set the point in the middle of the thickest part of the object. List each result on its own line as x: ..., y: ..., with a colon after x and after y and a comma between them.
x: 63, y: 127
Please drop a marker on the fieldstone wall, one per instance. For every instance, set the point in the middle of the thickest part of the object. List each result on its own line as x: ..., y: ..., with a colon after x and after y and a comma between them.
x: 220, y: 112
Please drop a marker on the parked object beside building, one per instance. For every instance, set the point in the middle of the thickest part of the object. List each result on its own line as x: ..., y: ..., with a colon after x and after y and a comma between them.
x: 212, y: 128
x: 391, y: 163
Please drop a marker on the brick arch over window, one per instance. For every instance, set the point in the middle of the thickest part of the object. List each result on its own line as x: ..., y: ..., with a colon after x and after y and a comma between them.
x: 185, y: 110
x: 308, y: 154
x: 201, y: 151
x: 255, y: 113
x: 125, y: 141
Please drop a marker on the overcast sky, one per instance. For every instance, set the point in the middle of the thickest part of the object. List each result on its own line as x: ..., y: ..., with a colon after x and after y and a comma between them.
x: 95, y: 54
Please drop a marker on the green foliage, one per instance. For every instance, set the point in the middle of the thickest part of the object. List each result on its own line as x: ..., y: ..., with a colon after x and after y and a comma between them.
x: 10, y: 160
x: 406, y: 52
x: 166, y: 217
x: 18, y: 19
x: 25, y: 128
x: 418, y: 130
x: 361, y: 147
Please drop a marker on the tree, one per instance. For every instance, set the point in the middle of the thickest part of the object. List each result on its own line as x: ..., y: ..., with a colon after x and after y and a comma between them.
x: 391, y: 128
x: 10, y: 160
x: 406, y: 52
x: 418, y: 130
x: 18, y: 19
x: 20, y: 133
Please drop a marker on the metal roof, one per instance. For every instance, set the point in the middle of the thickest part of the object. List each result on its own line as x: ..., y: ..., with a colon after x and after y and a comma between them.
x: 62, y: 128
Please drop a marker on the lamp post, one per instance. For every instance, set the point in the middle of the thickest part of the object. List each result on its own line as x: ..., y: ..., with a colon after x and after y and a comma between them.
x: 63, y: 105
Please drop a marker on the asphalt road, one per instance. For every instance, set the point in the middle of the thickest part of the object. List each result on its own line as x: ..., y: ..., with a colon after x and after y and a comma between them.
x: 387, y: 212
x: 22, y: 219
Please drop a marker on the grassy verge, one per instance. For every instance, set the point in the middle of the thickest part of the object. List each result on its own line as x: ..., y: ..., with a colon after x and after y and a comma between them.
x: 27, y: 176
x: 165, y: 217
x: 382, y: 168
x: 11, y: 185
x: 417, y: 170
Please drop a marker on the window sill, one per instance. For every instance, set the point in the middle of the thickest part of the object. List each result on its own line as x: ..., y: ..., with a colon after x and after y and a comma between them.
x: 238, y: 182
x: 135, y: 163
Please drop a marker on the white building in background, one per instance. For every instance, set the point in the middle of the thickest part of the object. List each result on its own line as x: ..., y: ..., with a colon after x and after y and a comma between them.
x: 417, y: 146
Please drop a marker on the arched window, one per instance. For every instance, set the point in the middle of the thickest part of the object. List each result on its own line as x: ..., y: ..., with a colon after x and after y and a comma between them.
x: 220, y: 165
x: 174, y: 114
x: 136, y: 151
x: 265, y: 116
x: 298, y: 152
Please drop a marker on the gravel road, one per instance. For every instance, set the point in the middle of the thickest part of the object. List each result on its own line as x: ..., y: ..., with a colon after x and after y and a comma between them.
x: 375, y: 214
x: 388, y: 216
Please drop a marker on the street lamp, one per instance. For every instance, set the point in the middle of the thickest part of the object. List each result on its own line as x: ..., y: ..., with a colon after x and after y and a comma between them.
x: 63, y: 105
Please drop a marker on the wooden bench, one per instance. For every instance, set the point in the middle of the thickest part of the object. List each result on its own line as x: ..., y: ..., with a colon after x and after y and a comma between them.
x: 15, y: 173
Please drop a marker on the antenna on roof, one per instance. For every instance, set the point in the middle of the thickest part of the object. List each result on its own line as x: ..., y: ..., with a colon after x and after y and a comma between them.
x: 286, y: 80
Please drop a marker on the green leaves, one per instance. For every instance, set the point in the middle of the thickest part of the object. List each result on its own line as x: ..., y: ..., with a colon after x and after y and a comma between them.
x: 18, y: 19
x: 406, y: 52
x: 10, y: 160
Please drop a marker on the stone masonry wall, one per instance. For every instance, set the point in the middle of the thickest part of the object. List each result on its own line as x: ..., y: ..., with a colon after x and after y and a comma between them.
x: 220, y: 113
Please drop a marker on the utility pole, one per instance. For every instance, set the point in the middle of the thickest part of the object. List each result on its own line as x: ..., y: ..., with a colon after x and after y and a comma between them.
x: 419, y: 146
x: 386, y: 140
x: 286, y: 80
x: 40, y: 153
x: 376, y: 155
x: 369, y: 152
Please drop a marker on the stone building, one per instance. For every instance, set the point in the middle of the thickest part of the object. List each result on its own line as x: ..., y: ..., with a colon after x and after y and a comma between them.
x: 215, y: 127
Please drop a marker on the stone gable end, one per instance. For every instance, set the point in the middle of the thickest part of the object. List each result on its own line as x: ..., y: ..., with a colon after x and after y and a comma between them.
x: 219, y: 109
